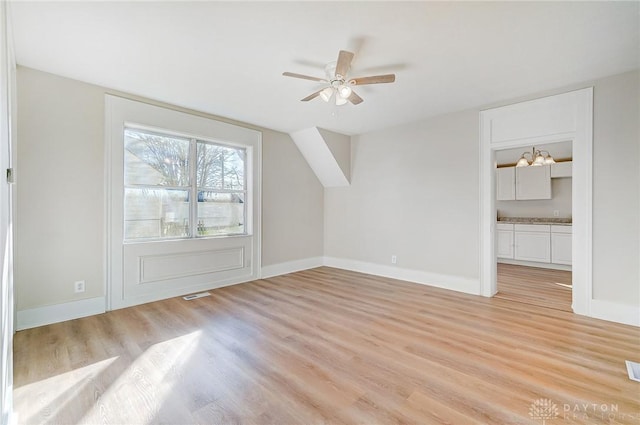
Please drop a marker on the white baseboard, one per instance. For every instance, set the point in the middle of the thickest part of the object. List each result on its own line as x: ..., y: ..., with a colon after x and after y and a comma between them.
x: 600, y: 309
x: 616, y: 312
x: 535, y: 264
x: 40, y: 316
x: 454, y: 283
x: 291, y: 267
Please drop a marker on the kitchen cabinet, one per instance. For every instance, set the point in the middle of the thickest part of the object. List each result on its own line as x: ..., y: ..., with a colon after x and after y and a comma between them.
x: 539, y: 243
x: 562, y: 169
x: 532, y: 242
x: 523, y: 183
x: 561, y: 241
x: 506, y: 184
x: 504, y: 240
x: 533, y: 182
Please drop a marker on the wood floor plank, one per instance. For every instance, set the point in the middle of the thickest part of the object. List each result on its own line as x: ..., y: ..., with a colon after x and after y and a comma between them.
x: 327, y: 346
x: 535, y: 285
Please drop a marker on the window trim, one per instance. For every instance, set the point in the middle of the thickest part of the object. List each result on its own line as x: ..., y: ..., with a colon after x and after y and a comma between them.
x: 193, y: 189
x: 120, y: 111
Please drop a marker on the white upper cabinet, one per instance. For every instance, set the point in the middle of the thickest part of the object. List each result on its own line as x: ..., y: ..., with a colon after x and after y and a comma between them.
x: 533, y: 182
x: 561, y: 169
x: 523, y: 183
x: 506, y: 184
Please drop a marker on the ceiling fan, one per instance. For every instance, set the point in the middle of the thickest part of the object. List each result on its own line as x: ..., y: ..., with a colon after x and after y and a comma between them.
x: 338, y: 82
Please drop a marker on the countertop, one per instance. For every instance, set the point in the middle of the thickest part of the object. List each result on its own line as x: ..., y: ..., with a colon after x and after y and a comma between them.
x: 536, y: 220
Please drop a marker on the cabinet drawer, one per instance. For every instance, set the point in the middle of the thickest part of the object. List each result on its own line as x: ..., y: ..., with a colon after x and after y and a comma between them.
x: 560, y: 229
x: 532, y: 228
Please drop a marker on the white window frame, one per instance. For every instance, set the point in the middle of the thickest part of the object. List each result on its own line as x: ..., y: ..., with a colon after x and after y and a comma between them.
x: 193, y: 187
x: 124, y: 261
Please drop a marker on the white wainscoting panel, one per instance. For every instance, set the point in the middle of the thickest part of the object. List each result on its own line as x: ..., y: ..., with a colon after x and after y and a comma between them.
x: 154, y: 268
x: 154, y: 271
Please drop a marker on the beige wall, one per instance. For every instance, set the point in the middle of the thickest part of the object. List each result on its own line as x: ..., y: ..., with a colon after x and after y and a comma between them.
x: 616, y: 189
x: 60, y: 192
x: 292, y: 203
x: 414, y: 194
x: 340, y: 147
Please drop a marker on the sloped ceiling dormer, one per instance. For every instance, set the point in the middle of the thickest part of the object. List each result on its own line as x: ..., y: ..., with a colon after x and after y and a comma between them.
x: 328, y: 155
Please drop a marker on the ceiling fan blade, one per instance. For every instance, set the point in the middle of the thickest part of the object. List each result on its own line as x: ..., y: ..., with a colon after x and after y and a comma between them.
x: 304, y: 77
x: 311, y: 96
x: 344, y: 62
x: 354, y: 98
x: 376, y: 79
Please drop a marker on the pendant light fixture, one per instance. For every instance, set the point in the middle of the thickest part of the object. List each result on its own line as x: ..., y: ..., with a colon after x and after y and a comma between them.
x: 536, y: 158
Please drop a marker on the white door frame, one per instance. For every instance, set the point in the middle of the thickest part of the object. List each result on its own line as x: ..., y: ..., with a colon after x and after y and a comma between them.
x: 8, y: 125
x: 559, y: 118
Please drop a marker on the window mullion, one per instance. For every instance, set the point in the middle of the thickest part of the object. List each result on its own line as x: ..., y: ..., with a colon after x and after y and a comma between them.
x: 193, y: 175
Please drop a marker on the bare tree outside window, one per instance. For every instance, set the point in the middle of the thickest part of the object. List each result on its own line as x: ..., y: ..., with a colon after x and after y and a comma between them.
x: 158, y: 187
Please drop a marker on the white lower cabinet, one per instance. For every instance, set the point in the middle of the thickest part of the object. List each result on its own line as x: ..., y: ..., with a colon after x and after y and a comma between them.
x: 504, y: 239
x: 561, y: 245
x: 539, y: 243
x: 532, y: 243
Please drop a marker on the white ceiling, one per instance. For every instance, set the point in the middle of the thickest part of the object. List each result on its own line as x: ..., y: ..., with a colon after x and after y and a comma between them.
x: 226, y: 58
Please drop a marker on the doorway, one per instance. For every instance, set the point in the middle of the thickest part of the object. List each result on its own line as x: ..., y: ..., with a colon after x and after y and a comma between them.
x: 534, y: 205
x: 563, y: 117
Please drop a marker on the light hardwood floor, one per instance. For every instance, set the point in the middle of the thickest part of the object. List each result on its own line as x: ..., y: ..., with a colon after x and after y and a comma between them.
x: 327, y: 346
x: 534, y: 285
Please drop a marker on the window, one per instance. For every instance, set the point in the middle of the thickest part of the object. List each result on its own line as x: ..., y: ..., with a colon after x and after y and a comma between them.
x: 163, y: 173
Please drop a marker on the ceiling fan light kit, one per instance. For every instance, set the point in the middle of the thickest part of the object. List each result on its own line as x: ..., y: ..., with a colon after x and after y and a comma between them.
x: 326, y: 94
x: 344, y: 91
x: 339, y: 84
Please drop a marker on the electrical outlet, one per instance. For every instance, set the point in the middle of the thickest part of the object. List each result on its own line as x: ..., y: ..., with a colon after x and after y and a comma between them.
x: 556, y: 213
x: 78, y: 286
x: 394, y: 259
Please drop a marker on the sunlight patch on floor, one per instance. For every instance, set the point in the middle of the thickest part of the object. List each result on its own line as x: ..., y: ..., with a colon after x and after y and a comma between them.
x: 148, y: 382
x: 51, y: 394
